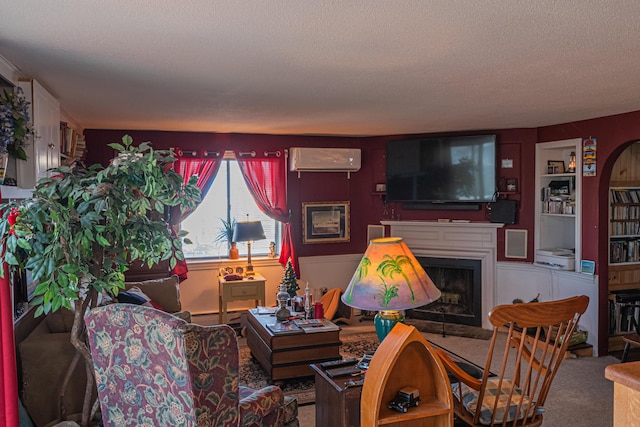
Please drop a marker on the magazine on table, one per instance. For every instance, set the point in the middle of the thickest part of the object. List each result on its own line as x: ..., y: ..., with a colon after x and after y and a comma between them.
x: 287, y: 327
x: 310, y: 326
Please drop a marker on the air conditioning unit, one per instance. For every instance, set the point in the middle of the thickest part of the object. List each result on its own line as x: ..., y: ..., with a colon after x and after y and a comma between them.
x: 305, y: 159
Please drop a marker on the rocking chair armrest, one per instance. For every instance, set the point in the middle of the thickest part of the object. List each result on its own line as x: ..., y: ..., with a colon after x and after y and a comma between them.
x: 457, y: 371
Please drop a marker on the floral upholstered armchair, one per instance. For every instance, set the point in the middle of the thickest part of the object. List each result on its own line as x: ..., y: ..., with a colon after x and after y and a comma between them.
x: 155, y: 369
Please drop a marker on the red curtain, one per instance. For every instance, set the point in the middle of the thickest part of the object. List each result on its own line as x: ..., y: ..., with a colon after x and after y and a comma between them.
x: 8, y: 370
x: 205, y: 166
x: 266, y: 176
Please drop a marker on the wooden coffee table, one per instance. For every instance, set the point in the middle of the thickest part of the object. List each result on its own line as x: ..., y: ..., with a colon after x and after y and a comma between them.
x: 285, y: 356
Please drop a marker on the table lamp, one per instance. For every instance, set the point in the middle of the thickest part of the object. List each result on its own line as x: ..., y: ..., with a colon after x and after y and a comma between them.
x: 248, y: 231
x: 388, y: 279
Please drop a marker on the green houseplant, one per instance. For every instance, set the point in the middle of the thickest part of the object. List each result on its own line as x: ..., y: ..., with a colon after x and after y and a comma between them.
x: 15, y: 125
x: 81, y: 229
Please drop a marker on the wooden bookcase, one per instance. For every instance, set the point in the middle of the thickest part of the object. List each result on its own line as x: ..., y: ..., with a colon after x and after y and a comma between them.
x: 624, y: 228
x: 405, y: 359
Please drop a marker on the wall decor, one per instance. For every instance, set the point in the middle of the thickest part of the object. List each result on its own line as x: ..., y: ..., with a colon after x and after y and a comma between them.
x: 589, y: 156
x: 587, y: 267
x: 325, y: 222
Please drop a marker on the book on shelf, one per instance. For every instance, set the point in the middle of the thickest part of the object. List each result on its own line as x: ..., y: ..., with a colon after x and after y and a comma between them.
x: 310, y: 326
x: 280, y: 328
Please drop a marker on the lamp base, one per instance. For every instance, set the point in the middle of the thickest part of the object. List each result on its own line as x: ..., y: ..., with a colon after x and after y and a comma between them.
x: 248, y: 271
x: 385, y: 320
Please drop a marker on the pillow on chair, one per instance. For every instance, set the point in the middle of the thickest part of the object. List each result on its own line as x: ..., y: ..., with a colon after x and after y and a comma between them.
x: 135, y: 296
x: 470, y: 401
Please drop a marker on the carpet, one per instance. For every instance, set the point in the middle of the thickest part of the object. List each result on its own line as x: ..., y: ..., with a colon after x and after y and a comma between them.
x: 303, y: 389
x: 453, y: 329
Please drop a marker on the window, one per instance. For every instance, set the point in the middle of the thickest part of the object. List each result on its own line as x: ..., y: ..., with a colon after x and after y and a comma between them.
x: 228, y: 198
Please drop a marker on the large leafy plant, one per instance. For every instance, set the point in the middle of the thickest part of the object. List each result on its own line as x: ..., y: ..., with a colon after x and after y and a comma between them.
x: 15, y: 125
x: 82, y: 228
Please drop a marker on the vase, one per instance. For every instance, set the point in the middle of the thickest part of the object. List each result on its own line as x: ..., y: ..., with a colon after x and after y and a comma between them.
x: 233, y: 251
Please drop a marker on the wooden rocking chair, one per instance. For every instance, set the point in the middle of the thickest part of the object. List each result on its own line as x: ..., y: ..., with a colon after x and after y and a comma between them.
x: 537, y: 337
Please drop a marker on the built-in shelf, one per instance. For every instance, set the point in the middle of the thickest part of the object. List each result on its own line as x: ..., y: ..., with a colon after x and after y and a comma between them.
x: 559, y: 199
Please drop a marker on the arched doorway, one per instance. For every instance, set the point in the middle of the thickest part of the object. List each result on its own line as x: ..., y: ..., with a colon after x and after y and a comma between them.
x: 622, y: 225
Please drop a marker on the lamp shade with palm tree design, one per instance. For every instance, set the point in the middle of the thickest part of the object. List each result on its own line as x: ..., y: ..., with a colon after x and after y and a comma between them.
x: 388, y: 279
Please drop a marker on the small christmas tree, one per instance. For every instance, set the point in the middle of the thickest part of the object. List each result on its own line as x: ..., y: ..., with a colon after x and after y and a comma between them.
x: 289, y: 279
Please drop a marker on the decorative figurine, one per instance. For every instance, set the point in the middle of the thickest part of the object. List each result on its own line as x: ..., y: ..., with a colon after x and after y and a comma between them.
x: 282, y: 313
x: 272, y: 250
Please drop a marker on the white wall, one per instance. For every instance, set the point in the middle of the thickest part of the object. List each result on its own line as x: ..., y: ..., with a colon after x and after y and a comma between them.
x: 525, y: 281
x: 199, y: 293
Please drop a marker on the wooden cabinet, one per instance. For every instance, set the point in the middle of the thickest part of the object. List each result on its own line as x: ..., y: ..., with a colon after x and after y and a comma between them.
x: 43, y: 151
x: 405, y: 359
x: 559, y: 201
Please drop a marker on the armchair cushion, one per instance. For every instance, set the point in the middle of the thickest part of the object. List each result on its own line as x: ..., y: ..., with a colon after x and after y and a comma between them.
x: 261, y: 407
x: 493, y: 392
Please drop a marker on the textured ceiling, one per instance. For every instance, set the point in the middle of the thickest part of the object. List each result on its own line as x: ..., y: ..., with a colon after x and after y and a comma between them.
x: 361, y: 67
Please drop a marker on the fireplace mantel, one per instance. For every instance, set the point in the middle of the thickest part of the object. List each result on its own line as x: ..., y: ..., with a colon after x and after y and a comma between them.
x: 462, y: 240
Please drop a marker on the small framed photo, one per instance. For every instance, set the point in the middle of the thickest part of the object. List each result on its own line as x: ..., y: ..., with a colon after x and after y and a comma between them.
x: 325, y: 222
x: 555, y: 166
x: 587, y: 267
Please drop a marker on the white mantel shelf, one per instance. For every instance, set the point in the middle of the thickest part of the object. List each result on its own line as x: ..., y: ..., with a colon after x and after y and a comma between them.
x: 460, y: 240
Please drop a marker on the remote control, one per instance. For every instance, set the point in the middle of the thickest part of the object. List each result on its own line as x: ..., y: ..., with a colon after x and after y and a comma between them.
x: 336, y: 363
x: 352, y: 383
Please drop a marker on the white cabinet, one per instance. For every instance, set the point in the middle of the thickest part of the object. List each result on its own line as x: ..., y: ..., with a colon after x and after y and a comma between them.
x: 43, y: 151
x: 559, y: 198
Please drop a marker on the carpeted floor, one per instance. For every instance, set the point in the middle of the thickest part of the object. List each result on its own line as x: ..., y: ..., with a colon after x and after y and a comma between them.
x: 579, y: 396
x: 354, y: 344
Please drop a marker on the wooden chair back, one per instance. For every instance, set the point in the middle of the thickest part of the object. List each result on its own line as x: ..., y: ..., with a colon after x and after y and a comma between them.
x: 535, y: 337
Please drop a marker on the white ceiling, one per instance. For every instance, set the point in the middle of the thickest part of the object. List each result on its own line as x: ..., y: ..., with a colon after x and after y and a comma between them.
x: 359, y: 67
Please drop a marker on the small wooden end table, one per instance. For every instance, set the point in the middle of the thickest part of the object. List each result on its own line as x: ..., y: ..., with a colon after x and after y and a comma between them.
x: 336, y: 404
x: 239, y: 290
x: 285, y: 356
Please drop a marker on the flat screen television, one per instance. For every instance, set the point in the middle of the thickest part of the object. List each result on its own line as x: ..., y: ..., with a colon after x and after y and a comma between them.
x: 452, y: 169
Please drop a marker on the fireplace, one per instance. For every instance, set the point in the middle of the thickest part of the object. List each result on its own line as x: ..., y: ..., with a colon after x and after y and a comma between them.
x: 458, y: 241
x: 460, y: 281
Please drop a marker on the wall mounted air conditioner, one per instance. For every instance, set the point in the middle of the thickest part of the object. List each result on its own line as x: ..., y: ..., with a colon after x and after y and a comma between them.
x: 305, y: 159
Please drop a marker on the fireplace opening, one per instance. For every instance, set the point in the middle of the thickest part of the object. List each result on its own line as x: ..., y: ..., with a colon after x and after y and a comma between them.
x: 460, y: 282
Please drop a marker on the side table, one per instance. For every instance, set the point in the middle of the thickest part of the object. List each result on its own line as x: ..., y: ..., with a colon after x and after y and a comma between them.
x: 336, y: 405
x: 239, y: 290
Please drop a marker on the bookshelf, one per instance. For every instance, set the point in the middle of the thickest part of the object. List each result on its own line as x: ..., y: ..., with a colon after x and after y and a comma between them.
x: 558, y: 206
x: 624, y: 241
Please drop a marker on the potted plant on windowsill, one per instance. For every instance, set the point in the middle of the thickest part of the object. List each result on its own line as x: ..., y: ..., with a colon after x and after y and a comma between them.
x: 226, y: 236
x: 82, y: 228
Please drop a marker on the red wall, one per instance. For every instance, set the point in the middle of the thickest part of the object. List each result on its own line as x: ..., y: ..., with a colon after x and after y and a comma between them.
x: 366, y: 207
x: 613, y: 134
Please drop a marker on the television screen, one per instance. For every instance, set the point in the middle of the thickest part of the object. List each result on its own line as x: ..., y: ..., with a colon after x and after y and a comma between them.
x: 441, y: 170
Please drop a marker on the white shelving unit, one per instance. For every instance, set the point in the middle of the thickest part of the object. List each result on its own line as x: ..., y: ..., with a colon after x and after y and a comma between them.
x: 558, y: 218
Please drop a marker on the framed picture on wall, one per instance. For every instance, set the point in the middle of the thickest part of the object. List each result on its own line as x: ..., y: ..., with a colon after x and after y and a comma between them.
x: 325, y: 222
